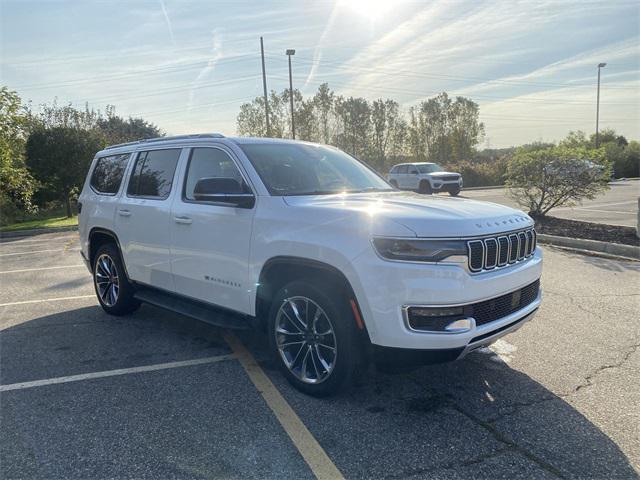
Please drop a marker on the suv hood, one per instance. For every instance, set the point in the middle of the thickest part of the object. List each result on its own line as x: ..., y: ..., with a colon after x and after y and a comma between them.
x: 425, y: 216
x: 438, y: 174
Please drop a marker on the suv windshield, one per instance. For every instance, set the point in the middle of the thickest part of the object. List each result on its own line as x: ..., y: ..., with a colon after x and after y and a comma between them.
x: 298, y: 169
x: 429, y: 168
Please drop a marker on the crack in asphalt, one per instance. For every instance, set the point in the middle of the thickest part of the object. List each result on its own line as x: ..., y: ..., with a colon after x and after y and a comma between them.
x: 447, y: 400
x: 450, y: 465
x: 589, y: 378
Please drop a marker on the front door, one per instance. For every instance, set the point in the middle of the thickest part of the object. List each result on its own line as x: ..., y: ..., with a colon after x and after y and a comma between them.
x: 211, y: 241
x: 143, y: 217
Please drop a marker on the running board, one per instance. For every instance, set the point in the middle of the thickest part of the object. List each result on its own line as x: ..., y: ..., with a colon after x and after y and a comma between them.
x: 193, y: 308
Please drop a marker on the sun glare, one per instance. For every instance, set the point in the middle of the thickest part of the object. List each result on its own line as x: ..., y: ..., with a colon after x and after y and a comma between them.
x: 371, y: 9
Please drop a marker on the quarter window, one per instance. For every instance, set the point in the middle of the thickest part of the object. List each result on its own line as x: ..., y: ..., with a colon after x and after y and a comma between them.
x: 108, y: 172
x: 403, y: 168
x: 153, y: 173
x: 209, y: 163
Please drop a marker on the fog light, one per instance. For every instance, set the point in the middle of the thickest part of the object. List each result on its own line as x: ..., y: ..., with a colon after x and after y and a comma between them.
x: 439, y: 319
x: 459, y: 326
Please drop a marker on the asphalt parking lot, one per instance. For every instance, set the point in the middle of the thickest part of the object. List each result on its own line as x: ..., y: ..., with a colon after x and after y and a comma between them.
x: 157, y: 395
x: 617, y: 206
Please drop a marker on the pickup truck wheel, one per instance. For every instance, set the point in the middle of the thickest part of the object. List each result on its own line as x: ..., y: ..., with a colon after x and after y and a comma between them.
x: 311, y: 334
x: 114, y: 291
x: 425, y: 187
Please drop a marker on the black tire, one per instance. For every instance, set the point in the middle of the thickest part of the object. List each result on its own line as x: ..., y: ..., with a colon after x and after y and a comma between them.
x: 338, y: 313
x: 454, y: 192
x: 394, y: 184
x: 425, y: 187
x: 107, y: 259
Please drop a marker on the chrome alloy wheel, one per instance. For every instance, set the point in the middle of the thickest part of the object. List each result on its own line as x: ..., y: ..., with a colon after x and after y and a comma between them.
x: 305, y: 339
x: 106, y: 278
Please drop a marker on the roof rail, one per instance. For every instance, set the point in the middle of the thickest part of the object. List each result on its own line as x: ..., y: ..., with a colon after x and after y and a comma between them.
x: 165, y: 139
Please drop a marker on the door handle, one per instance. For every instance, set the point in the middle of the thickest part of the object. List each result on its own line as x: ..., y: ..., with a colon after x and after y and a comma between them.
x: 183, y: 220
x: 124, y: 213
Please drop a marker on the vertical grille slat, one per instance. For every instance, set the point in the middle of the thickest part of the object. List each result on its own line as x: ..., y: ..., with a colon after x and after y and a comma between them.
x: 494, y: 252
x: 503, y: 251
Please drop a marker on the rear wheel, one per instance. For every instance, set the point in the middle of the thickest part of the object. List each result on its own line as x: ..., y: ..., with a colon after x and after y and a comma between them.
x: 312, y: 336
x: 114, y: 291
x: 425, y: 187
x: 394, y: 184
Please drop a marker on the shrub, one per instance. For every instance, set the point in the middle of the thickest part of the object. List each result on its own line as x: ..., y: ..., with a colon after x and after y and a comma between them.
x: 540, y: 180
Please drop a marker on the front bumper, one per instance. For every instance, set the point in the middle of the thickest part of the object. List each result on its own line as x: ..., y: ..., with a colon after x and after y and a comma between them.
x: 385, y: 287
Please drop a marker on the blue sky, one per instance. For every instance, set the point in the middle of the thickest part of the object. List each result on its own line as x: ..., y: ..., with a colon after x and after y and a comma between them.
x: 187, y: 66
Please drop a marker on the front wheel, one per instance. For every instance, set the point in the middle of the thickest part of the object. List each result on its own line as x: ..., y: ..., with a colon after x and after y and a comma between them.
x: 312, y: 336
x: 425, y: 187
x: 114, y: 291
x: 454, y: 192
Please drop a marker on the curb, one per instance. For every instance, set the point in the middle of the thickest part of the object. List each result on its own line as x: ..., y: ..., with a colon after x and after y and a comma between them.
x: 616, y: 249
x: 36, y: 231
x: 491, y: 187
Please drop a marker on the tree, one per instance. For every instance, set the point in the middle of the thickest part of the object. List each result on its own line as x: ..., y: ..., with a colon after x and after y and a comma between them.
x: 59, y: 157
x: 17, y: 184
x: 251, y: 119
x: 445, y: 131
x: 354, y: 133
x: 540, y: 180
x: 324, y: 103
x: 385, y: 117
x: 118, y: 130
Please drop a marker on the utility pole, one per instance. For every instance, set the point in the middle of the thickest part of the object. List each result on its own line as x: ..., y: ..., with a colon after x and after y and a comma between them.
x: 264, y: 86
x: 289, y: 53
x: 600, y: 65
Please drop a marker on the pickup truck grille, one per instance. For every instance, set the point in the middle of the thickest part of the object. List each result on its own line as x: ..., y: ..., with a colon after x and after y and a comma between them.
x: 500, y: 251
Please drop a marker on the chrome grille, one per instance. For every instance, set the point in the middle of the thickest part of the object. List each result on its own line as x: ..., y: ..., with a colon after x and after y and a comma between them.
x: 498, y: 251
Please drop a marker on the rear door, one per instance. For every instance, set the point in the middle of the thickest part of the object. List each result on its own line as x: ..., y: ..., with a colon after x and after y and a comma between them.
x: 412, y: 177
x: 402, y: 176
x: 143, y: 217
x: 211, y: 241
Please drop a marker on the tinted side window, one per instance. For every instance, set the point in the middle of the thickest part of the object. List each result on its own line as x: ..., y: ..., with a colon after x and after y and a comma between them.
x: 108, y: 173
x: 153, y: 173
x: 394, y: 169
x: 208, y: 163
x: 403, y: 168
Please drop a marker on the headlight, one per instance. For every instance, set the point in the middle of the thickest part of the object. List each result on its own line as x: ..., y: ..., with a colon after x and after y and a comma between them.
x: 419, y: 250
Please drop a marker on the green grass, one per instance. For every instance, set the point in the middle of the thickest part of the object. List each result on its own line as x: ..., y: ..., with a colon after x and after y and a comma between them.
x: 42, y: 223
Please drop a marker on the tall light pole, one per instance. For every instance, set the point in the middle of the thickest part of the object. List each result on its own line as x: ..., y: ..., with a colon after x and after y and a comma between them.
x: 289, y: 53
x: 600, y: 65
x: 264, y: 87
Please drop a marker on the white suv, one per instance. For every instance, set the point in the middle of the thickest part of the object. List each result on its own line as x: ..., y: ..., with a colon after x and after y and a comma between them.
x: 309, y: 244
x: 425, y: 177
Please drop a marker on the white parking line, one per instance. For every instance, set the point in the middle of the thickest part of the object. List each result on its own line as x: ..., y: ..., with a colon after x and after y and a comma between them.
x: 38, y: 240
x: 44, y: 300
x: 42, y: 268
x: 114, y: 373
x: 33, y: 252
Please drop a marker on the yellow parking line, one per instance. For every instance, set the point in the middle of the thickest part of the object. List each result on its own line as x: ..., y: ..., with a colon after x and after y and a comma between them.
x: 317, y: 459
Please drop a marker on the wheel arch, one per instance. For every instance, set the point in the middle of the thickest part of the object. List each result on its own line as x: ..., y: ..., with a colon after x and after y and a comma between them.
x: 99, y: 236
x: 280, y: 270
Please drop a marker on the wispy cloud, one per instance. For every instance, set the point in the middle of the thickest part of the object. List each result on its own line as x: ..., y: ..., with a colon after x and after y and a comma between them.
x: 168, y: 21
x: 216, y: 55
x: 317, y: 54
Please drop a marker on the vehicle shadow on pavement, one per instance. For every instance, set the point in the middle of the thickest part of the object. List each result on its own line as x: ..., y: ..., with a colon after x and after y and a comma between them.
x: 477, y: 417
